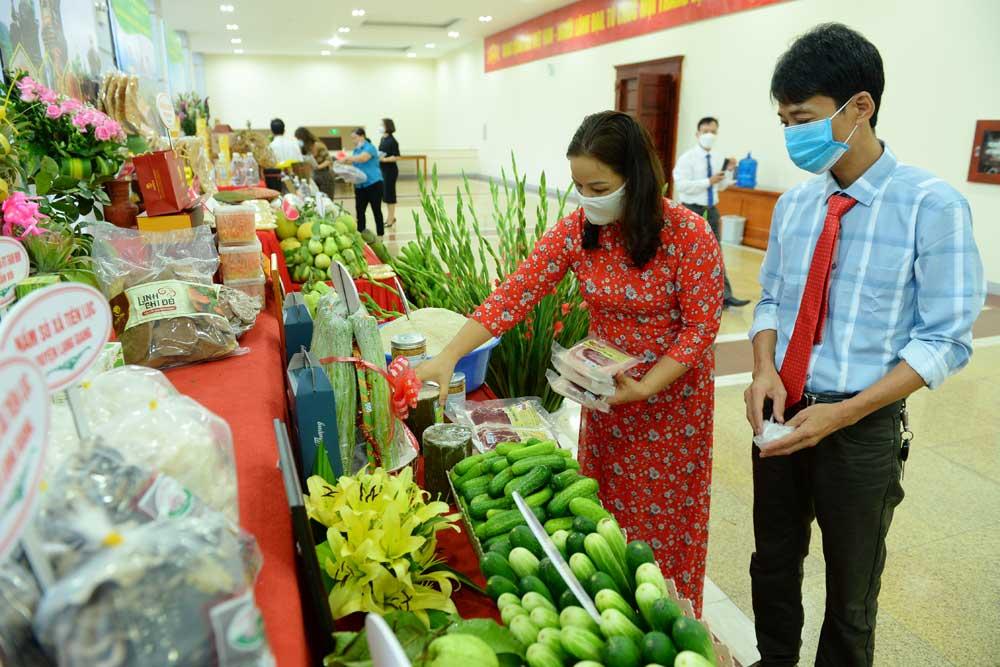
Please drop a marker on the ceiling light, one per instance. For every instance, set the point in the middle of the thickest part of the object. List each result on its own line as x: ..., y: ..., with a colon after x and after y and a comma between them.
x: 238, y: 51
x: 336, y: 42
x: 343, y: 28
x: 324, y: 53
x: 429, y: 45
x: 485, y: 19
x: 453, y: 34
x: 236, y: 40
x: 357, y: 12
x: 411, y: 54
x: 232, y: 26
x: 228, y: 9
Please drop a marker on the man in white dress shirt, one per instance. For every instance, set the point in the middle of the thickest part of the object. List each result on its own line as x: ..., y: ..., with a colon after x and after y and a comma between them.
x: 284, y: 148
x: 699, y: 177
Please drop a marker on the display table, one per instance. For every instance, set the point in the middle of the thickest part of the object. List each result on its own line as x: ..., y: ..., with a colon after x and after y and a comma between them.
x: 248, y: 392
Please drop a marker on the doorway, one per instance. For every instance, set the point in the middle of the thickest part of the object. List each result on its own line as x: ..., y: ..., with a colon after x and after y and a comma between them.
x: 649, y: 92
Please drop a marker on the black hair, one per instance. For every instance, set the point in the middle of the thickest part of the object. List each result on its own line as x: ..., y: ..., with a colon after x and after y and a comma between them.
x: 306, y: 137
x: 620, y: 142
x: 360, y: 132
x: 831, y: 60
x: 277, y: 127
x: 707, y: 120
x: 390, y: 126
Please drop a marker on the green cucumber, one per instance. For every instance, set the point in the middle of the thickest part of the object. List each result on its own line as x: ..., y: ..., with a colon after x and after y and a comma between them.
x: 475, y: 487
x: 478, y: 469
x: 481, y: 504
x: 559, y: 539
x: 584, y: 486
x: 493, y: 563
x: 466, y: 464
x: 552, y: 526
x: 583, y: 568
x: 521, y: 536
x: 532, y: 583
x: 620, y: 651
x: 505, y: 448
x: 636, y: 553
x: 564, y: 479
x: 575, y: 543
x: 690, y: 635
x: 663, y: 615
x: 498, y: 464
x: 567, y: 599
x: 541, y: 497
x: 523, y: 562
x: 499, y: 544
x: 542, y: 655
x: 553, y: 462
x: 550, y: 576
x: 531, y: 450
x: 572, y: 464
x: 504, y: 522
x: 598, y: 582
x: 497, y: 586
x: 658, y: 648
x: 582, y: 524
x: 691, y: 659
x: 500, y: 480
x: 581, y: 644
x: 529, y: 483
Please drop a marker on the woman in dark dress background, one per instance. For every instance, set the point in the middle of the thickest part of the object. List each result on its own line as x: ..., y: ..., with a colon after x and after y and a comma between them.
x: 389, y: 148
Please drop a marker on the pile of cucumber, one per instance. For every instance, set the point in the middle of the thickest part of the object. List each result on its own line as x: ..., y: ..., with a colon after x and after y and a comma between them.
x: 641, y: 625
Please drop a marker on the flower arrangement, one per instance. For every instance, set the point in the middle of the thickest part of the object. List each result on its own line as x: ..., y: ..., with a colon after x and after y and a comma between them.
x: 456, y: 267
x: 381, y: 543
x: 190, y: 107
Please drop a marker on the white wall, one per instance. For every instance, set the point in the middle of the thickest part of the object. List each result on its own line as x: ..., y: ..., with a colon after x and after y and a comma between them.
x: 941, y: 75
x: 325, y: 91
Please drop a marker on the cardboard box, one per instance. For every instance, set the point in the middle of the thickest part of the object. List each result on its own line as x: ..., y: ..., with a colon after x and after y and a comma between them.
x: 192, y: 217
x: 162, y: 184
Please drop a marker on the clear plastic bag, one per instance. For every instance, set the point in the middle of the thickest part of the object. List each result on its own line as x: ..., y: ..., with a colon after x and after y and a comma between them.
x: 349, y: 173
x: 179, y: 437
x: 122, y: 390
x: 98, y: 494
x: 575, y: 392
x: 164, y: 307
x: 596, y: 360
x: 19, y: 597
x: 509, y: 420
x: 174, y: 588
x: 600, y: 386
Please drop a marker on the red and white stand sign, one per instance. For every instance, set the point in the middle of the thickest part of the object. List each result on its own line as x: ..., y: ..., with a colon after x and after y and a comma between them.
x: 24, y: 438
x: 14, y: 267
x: 62, y: 328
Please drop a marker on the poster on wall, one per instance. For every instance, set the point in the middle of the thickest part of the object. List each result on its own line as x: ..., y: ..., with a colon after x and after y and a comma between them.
x: 178, y: 59
x: 134, y: 28
x: 588, y: 23
x: 66, y: 44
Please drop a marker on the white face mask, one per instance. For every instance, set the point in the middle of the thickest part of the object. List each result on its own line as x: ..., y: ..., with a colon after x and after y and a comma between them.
x: 381, y: 129
x: 605, y: 209
x: 707, y: 140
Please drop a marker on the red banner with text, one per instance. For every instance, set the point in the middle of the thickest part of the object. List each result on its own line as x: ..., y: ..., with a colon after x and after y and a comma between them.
x: 588, y: 23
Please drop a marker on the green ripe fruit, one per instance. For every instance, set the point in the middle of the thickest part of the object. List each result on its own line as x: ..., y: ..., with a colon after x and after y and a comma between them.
x: 315, y: 247
x: 325, y: 231
x: 322, y: 261
x: 344, y: 242
x: 330, y: 247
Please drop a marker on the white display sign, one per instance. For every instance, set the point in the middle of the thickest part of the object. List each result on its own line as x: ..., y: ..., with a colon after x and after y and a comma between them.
x: 62, y: 328
x: 24, y: 437
x: 166, y: 110
x: 14, y: 268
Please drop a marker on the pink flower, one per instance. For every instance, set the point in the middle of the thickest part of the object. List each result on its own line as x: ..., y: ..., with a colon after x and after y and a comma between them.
x: 53, y: 111
x: 48, y: 95
x: 70, y: 105
x: 27, y: 86
x: 103, y: 132
x: 21, y: 211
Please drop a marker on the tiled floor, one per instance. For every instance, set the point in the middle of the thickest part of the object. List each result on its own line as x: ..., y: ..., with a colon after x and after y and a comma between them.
x: 940, y: 600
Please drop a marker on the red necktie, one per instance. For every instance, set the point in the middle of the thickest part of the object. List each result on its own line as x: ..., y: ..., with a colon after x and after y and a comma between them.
x: 813, y: 308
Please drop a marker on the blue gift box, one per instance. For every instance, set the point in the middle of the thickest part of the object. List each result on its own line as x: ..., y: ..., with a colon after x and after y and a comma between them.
x: 314, y: 414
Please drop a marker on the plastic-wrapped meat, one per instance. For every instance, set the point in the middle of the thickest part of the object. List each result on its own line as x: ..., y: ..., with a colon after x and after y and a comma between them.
x: 491, y: 435
x: 173, y: 592
x: 19, y: 597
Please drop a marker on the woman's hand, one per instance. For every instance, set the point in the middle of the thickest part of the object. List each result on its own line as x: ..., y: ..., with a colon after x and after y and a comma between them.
x: 438, y: 370
x: 629, y: 391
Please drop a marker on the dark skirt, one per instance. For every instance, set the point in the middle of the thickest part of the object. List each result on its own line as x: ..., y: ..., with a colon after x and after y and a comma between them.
x: 390, y: 172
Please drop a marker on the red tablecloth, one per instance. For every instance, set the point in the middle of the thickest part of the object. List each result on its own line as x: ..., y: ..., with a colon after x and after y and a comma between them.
x: 248, y: 392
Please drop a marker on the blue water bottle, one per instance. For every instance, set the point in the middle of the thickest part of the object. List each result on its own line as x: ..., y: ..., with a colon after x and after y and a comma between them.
x: 746, y: 172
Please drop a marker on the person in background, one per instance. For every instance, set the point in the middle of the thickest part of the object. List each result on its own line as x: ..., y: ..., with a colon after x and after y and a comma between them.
x: 699, y: 176
x: 871, y: 284
x: 365, y: 157
x: 651, y: 273
x: 315, y: 151
x: 285, y: 149
x: 388, y: 148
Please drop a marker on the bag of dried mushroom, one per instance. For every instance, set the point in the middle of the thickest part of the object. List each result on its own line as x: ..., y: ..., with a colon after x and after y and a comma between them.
x: 164, y: 307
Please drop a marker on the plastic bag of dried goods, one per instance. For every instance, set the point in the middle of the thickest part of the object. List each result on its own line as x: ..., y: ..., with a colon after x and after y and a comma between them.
x: 174, y: 588
x: 19, y: 596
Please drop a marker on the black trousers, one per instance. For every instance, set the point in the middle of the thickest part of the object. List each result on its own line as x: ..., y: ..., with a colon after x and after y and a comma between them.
x: 713, y: 222
x: 850, y: 483
x: 362, y: 198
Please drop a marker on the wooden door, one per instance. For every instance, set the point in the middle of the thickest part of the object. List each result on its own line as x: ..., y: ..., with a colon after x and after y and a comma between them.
x: 649, y: 93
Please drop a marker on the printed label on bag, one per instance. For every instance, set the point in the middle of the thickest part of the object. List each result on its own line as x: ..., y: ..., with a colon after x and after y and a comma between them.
x: 601, y: 354
x: 162, y: 300
x: 238, y: 629
x: 166, y: 498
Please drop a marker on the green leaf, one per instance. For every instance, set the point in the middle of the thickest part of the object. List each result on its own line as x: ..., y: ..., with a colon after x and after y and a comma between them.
x: 500, y: 639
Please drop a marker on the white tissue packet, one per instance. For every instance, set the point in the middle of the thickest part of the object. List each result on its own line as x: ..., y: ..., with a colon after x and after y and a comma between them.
x: 772, y: 431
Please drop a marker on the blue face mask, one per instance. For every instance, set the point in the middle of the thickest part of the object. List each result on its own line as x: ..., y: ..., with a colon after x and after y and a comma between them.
x: 811, y: 146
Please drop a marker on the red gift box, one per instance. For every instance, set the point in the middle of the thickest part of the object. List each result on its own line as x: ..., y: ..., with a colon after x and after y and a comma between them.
x: 161, y: 182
